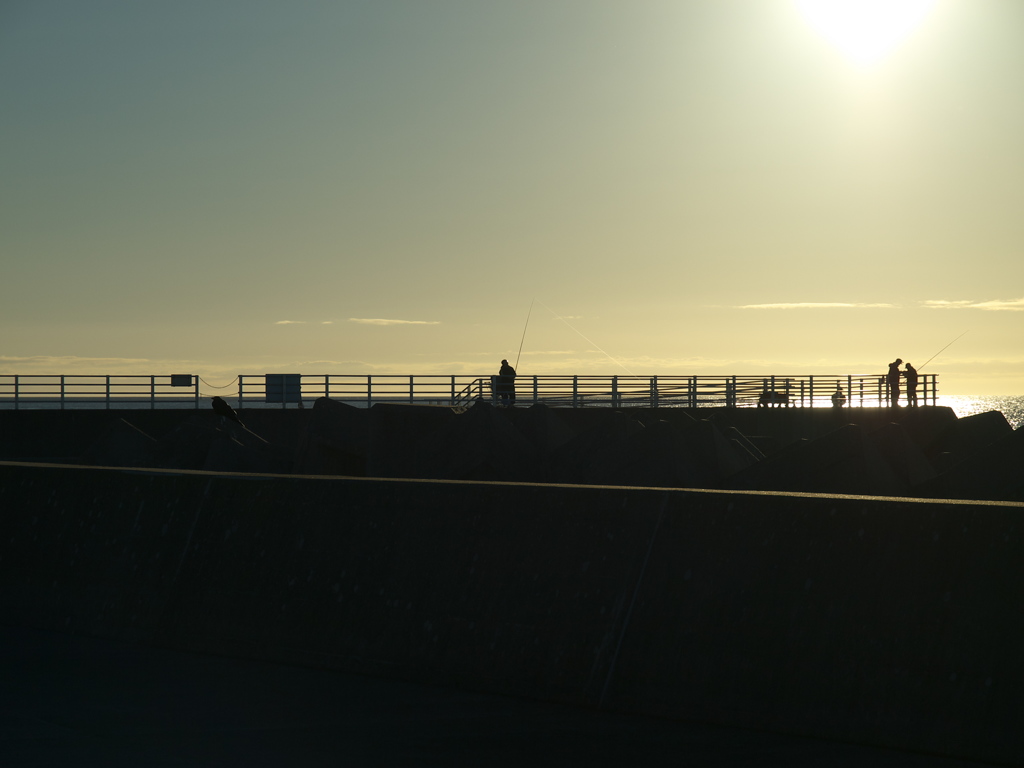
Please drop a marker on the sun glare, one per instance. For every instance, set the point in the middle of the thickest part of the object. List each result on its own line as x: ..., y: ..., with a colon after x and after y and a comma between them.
x: 865, y: 31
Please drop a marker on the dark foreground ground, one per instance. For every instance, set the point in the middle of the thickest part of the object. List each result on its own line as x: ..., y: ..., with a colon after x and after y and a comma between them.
x: 68, y: 700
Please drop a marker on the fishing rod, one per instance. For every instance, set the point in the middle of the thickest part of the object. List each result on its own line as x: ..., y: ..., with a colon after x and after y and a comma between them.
x: 559, y: 317
x: 524, y: 333
x: 942, y: 350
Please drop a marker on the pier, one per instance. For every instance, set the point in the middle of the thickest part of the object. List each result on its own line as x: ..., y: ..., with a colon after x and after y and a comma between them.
x: 824, y: 573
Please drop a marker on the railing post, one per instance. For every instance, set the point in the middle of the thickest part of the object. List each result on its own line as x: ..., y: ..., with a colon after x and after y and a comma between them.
x: 62, y: 393
x: 17, y: 392
x: 452, y: 401
x: 810, y: 391
x: 240, y: 390
x: 369, y: 391
x: 654, y: 391
x: 108, y: 393
x: 410, y: 391
x: 575, y: 392
x: 535, y: 398
x: 615, y: 391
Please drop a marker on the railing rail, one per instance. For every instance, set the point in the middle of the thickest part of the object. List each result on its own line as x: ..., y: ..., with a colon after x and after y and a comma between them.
x: 85, y: 391
x: 282, y: 390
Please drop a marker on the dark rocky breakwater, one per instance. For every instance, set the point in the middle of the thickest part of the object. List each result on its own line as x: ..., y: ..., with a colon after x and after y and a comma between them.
x: 526, y: 559
x: 925, y: 451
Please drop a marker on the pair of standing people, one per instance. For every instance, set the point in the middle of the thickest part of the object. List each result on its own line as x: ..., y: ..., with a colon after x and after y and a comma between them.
x: 892, y: 379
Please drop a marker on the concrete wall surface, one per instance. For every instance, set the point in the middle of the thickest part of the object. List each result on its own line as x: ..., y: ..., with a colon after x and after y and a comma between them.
x: 888, y: 621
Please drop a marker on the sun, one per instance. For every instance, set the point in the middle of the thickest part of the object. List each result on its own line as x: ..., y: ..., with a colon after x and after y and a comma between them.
x: 865, y: 31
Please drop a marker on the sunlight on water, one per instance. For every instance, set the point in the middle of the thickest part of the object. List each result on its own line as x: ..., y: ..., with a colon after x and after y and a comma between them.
x: 1011, y: 407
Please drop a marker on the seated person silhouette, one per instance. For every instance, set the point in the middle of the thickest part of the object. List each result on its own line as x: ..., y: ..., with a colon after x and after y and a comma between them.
x: 838, y: 398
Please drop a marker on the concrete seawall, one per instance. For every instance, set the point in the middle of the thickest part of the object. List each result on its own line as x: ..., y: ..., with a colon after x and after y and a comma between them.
x: 887, y: 621
x: 39, y: 435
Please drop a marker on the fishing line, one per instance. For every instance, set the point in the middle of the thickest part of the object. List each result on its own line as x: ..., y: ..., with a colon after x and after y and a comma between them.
x: 215, y: 386
x: 524, y: 333
x: 559, y: 317
x: 942, y: 350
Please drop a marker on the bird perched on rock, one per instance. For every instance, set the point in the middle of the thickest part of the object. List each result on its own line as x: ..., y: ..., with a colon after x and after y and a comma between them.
x: 222, y: 409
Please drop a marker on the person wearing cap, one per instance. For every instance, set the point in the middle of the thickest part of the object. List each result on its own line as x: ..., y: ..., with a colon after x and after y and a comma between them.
x: 507, y: 384
x: 893, y: 380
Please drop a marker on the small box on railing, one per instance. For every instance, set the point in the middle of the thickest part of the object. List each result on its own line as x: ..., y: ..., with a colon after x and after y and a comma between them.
x: 181, y: 379
x: 284, y: 387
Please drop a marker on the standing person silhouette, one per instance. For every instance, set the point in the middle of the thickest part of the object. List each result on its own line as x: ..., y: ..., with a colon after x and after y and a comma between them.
x: 507, y: 384
x: 911, y: 376
x: 892, y: 378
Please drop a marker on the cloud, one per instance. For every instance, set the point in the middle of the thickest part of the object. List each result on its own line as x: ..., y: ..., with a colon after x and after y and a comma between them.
x: 528, y: 354
x: 70, y: 361
x: 72, y: 365
x: 819, y: 305
x: 317, y: 367
x: 994, y: 305
x: 290, y: 322
x: 382, y: 321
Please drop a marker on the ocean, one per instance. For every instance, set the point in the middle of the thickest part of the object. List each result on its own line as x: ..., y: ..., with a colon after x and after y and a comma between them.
x: 1011, y: 407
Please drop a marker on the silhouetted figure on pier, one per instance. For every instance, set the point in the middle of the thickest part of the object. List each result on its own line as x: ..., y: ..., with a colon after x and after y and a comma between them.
x: 892, y: 378
x: 225, y: 411
x: 910, y: 374
x: 771, y: 399
x: 838, y: 397
x: 507, y: 384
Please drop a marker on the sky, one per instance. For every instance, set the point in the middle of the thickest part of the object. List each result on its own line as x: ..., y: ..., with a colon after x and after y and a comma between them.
x: 652, y: 187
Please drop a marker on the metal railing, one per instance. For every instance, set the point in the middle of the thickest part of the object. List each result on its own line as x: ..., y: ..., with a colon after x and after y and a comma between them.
x: 355, y: 389
x: 282, y: 390
x: 701, y: 391
x: 83, y: 391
